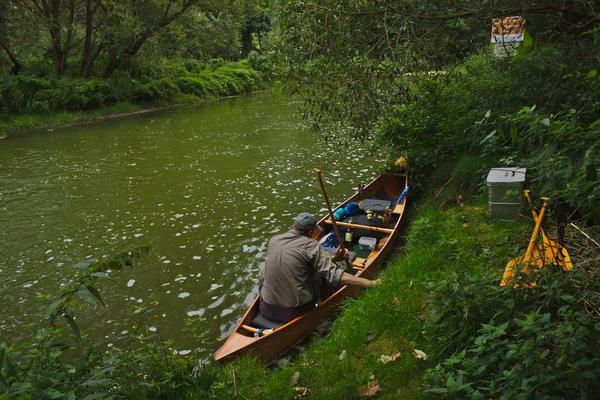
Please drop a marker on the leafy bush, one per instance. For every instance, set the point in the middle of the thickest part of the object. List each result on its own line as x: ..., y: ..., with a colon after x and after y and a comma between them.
x: 508, y: 343
x: 229, y: 84
x: 485, y: 107
x: 158, y: 89
x: 261, y: 62
x: 194, y: 86
x: 17, y: 92
x: 231, y: 79
x: 48, y: 367
x: 125, y: 88
x: 85, y: 94
x: 164, y: 80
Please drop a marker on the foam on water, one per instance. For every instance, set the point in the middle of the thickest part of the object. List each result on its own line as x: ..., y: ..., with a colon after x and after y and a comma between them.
x: 204, y: 187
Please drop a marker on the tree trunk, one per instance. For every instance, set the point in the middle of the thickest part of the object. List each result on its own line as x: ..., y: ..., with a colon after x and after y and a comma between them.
x: 52, y: 12
x: 16, y: 68
x: 246, y: 39
x: 67, y: 46
x: 87, y: 43
x: 92, y: 60
x: 114, y: 60
x: 112, y: 63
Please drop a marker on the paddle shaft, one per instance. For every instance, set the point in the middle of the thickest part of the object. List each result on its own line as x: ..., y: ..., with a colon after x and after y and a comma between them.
x: 526, y: 194
x: 333, y: 222
x: 536, y: 230
x: 326, y: 198
x: 377, y: 229
x: 557, y: 249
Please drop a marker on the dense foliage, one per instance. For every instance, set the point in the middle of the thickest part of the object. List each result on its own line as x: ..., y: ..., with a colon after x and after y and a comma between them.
x: 509, y: 343
x: 56, y: 364
x: 68, y: 56
x: 416, y: 76
x: 345, y: 57
x: 88, y: 38
x: 522, y: 112
x: 167, y: 80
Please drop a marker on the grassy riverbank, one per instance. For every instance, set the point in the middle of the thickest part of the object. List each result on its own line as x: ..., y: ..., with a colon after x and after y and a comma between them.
x: 439, y: 325
x: 387, y: 321
x: 30, y: 101
x: 50, y: 120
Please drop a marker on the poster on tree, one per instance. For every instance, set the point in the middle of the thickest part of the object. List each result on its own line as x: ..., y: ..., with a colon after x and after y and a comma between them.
x: 507, y: 34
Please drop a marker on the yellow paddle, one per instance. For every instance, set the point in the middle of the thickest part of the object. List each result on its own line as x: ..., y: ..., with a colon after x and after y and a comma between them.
x: 511, y: 266
x: 540, y: 255
x: 554, y: 252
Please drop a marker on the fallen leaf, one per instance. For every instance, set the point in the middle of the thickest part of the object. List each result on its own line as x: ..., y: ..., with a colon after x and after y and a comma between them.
x: 301, y: 392
x: 343, y: 355
x: 384, y: 359
x: 295, y: 378
x: 371, y: 389
x: 420, y: 354
x: 370, y: 336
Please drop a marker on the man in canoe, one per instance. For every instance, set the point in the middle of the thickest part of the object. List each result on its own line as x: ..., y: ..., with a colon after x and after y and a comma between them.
x: 298, y: 272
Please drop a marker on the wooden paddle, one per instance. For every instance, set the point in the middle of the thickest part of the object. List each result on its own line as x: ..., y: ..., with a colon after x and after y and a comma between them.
x: 538, y: 255
x: 554, y: 252
x: 333, y: 222
x: 536, y: 229
x: 511, y: 266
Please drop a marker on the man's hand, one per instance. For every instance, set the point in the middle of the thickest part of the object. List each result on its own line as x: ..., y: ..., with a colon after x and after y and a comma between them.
x: 375, y: 282
x: 340, y: 254
x: 349, y: 279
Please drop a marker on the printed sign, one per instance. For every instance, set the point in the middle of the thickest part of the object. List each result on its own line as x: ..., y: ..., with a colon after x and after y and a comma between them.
x: 508, y: 29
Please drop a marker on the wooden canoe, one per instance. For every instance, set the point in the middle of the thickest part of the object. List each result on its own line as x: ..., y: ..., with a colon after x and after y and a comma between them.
x: 277, y: 342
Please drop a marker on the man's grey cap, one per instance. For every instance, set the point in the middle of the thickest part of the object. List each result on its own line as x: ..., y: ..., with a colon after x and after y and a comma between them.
x: 305, y: 222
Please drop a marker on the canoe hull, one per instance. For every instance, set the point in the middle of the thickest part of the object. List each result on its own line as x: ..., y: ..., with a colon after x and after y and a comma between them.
x: 272, y: 346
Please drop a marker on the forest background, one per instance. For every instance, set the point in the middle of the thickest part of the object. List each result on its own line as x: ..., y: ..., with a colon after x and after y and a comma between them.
x: 61, y: 57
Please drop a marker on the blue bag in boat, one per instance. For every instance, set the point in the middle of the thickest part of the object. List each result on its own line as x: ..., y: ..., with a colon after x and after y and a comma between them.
x: 339, y: 214
x: 352, y: 208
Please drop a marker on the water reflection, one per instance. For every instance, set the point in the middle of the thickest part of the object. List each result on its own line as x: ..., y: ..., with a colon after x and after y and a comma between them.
x: 205, y: 187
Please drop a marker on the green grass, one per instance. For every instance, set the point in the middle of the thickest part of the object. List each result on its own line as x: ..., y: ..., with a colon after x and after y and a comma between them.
x: 22, y: 122
x: 439, y: 242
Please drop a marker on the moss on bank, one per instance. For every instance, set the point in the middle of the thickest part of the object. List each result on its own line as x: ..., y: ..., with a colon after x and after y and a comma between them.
x: 386, y: 320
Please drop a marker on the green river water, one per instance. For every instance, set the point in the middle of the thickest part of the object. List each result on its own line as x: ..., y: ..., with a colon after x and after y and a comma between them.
x: 204, y: 186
